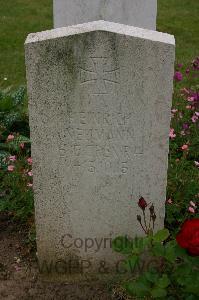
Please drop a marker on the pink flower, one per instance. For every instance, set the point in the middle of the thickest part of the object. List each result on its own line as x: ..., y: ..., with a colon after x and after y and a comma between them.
x: 191, y: 210
x: 192, y: 204
x: 29, y: 184
x: 197, y: 113
x: 178, y: 76
x: 185, y: 147
x: 22, y: 145
x: 180, y: 65
x: 172, y: 135
x: 196, y: 163
x: 30, y: 173
x: 10, y: 137
x: 187, y: 71
x: 12, y: 158
x: 194, y: 118
x: 174, y: 110
x: 169, y: 201
x: 185, y: 126
x: 11, y: 168
x: 29, y: 160
x: 190, y: 99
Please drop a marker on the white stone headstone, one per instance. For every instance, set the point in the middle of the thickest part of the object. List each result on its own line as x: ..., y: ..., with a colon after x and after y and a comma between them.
x: 139, y: 13
x: 99, y: 103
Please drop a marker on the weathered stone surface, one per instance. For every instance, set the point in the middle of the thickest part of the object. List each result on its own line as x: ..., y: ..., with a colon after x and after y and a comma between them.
x: 139, y: 13
x: 99, y: 102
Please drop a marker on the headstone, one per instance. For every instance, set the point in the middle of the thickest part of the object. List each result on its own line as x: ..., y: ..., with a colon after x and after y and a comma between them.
x: 139, y: 13
x: 99, y: 103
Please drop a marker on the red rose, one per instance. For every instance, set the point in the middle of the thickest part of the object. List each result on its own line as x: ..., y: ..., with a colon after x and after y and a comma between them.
x: 142, y: 203
x: 188, y: 237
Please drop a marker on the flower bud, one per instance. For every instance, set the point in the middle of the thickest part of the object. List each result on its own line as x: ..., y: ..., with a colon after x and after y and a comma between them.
x: 152, y: 210
x: 142, y: 203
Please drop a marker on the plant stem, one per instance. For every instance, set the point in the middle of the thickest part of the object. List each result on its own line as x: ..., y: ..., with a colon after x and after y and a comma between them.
x: 145, y: 220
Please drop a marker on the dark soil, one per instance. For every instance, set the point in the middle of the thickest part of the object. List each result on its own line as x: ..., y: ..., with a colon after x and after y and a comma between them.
x: 20, y: 278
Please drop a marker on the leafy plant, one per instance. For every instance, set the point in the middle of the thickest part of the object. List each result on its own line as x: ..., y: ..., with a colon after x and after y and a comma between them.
x: 159, y: 267
x: 15, y: 183
x: 183, y: 172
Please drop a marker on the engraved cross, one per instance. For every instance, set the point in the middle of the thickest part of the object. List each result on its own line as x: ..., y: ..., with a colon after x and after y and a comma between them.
x: 100, y: 76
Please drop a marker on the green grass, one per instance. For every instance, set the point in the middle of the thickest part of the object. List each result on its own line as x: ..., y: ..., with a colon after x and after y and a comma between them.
x: 181, y: 18
x: 20, y: 17
x: 17, y: 19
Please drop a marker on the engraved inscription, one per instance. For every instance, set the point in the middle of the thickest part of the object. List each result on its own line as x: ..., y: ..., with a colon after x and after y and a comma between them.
x: 97, y: 138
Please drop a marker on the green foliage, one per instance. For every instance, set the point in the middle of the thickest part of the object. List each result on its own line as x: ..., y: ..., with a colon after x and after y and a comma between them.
x: 17, y: 21
x: 161, y: 235
x: 168, y: 272
x: 16, y: 197
x: 183, y: 175
x: 13, y: 112
x: 15, y: 185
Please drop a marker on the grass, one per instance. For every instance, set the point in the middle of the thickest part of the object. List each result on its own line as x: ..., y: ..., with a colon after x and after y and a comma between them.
x: 17, y: 19
x: 20, y: 17
x: 180, y: 17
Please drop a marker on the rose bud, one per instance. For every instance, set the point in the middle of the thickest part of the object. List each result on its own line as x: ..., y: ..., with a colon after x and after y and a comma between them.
x: 142, y: 203
x: 151, y: 208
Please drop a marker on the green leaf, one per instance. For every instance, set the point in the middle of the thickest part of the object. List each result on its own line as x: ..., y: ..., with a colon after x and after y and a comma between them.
x: 163, y: 282
x: 122, y: 244
x: 158, y: 249
x: 161, y: 235
x: 173, y: 251
x: 131, y: 263
x: 15, y: 144
x: 137, y: 289
x: 3, y: 156
x: 170, y: 253
x: 191, y: 297
x: 143, y: 279
x: 19, y: 95
x: 151, y: 276
x: 22, y: 139
x: 180, y: 252
x: 158, y: 293
x: 138, y: 245
x: 147, y: 240
x: 182, y: 272
x: 3, y: 146
x: 192, y: 288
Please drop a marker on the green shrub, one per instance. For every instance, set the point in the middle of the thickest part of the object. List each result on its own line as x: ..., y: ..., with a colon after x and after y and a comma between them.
x: 158, y: 266
x: 15, y: 162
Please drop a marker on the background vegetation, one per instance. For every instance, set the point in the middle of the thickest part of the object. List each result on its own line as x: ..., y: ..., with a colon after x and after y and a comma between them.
x: 20, y: 17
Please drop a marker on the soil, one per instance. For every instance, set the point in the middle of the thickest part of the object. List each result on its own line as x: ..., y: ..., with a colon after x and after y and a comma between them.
x: 20, y: 278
